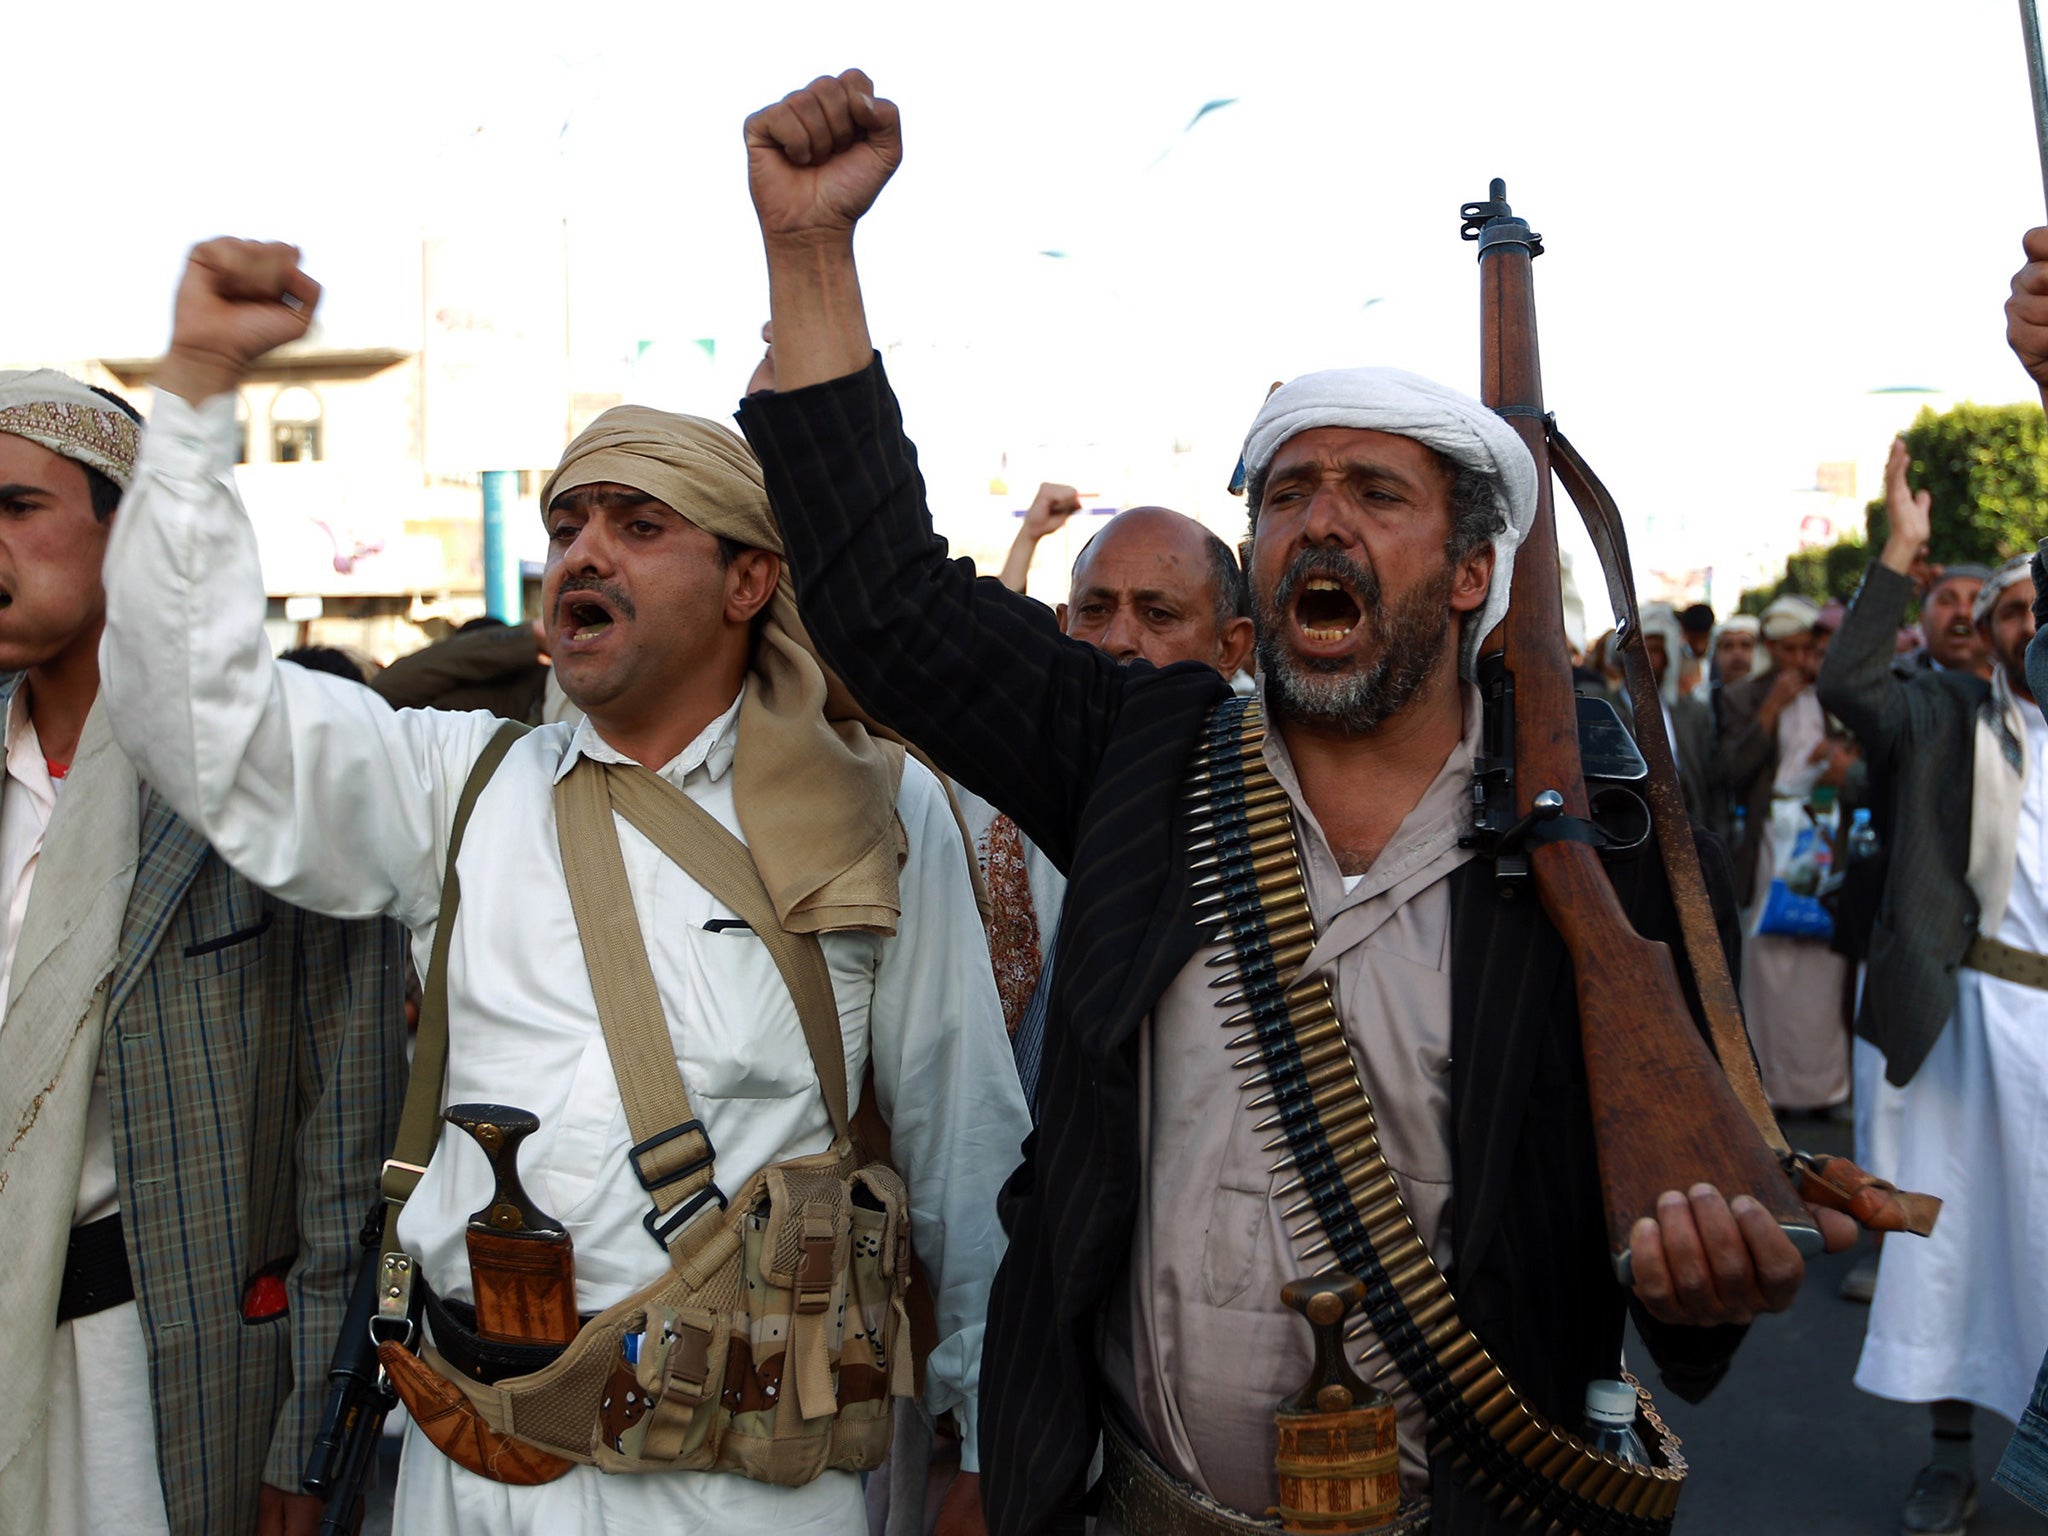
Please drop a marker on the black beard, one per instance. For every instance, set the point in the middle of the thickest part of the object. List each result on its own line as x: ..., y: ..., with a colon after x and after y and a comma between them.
x: 1336, y: 694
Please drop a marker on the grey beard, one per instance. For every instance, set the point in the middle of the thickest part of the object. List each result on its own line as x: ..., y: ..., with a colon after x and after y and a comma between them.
x: 1336, y: 694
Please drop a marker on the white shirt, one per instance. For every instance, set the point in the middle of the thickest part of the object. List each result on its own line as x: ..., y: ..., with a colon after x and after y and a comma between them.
x: 313, y: 788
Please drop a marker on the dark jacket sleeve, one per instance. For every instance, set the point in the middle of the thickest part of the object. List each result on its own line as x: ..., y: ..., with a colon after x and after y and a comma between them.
x: 1857, y: 683
x: 976, y: 675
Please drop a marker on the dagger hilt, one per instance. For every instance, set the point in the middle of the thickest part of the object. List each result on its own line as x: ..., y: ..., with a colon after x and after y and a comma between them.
x: 1333, y: 1386
x: 499, y: 1129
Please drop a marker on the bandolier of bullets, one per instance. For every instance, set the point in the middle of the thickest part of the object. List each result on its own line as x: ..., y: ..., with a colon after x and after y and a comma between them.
x: 1251, y: 898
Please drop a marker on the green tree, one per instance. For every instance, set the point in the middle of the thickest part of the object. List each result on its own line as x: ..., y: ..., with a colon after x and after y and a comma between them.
x: 1820, y: 573
x: 1986, y: 468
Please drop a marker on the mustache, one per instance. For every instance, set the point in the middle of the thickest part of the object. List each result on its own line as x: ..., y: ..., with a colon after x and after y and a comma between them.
x: 1337, y: 566
x: 571, y: 585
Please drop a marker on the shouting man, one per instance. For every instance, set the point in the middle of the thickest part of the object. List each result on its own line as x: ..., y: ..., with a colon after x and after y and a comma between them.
x: 1140, y: 1298
x: 671, y: 627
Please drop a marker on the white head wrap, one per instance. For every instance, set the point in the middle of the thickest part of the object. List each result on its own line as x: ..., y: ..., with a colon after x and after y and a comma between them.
x: 1789, y: 615
x: 2016, y: 569
x: 64, y: 416
x: 1662, y: 619
x: 1435, y: 415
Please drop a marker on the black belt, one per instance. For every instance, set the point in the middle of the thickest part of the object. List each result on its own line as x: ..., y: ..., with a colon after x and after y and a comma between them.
x: 453, y: 1325
x: 96, y: 1274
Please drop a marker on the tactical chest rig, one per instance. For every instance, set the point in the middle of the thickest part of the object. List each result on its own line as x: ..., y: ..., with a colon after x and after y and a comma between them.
x: 776, y: 1339
x: 1251, y: 898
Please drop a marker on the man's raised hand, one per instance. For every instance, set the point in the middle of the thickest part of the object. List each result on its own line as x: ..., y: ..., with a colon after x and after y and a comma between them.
x: 237, y: 300
x: 1909, y: 512
x: 2026, y: 312
x: 818, y: 157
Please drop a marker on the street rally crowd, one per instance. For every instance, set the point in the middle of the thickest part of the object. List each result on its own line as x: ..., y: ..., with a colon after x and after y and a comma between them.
x: 839, y: 1131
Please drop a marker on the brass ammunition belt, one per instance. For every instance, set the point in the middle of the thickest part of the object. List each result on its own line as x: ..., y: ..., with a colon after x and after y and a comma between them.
x: 1251, y: 897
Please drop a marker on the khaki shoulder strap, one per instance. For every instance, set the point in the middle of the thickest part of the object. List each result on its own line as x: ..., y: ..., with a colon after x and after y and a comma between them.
x: 672, y: 1154
x: 696, y: 841
x: 419, y: 1123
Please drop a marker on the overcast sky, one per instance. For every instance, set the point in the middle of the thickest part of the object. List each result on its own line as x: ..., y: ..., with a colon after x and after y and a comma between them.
x: 1756, y: 214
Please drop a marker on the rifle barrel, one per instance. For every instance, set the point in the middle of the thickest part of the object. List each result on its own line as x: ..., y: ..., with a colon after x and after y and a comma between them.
x: 2037, y: 77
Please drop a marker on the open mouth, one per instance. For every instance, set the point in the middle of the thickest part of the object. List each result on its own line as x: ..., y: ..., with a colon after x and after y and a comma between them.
x: 588, y: 618
x: 1326, y: 612
x: 1961, y: 629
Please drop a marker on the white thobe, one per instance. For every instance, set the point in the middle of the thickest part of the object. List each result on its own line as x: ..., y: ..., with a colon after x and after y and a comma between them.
x: 313, y: 788
x: 1964, y: 1313
x: 101, y: 1462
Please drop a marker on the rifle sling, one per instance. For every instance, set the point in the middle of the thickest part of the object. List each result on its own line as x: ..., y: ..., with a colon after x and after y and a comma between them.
x: 1709, y: 962
x: 1529, y: 1468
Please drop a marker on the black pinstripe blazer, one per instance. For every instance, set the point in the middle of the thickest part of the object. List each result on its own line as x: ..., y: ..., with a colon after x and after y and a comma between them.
x: 1087, y: 756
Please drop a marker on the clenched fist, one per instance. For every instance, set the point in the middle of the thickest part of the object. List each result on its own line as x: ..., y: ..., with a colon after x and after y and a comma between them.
x: 2026, y: 312
x: 237, y: 300
x: 818, y: 157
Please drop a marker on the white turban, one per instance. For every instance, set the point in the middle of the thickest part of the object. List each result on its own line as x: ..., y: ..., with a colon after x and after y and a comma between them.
x: 1662, y: 619
x: 1407, y: 405
x: 2018, y: 568
x: 55, y: 410
x: 1789, y: 615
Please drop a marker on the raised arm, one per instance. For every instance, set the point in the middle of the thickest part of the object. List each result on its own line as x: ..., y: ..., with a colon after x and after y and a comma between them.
x: 978, y: 676
x: 1048, y: 513
x: 309, y: 785
x: 1856, y: 680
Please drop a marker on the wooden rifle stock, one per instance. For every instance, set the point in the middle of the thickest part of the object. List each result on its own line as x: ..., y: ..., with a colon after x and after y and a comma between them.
x: 1664, y: 1116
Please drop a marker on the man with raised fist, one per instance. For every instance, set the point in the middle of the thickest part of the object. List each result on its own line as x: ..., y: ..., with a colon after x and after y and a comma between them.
x: 1141, y: 1297
x: 678, y: 934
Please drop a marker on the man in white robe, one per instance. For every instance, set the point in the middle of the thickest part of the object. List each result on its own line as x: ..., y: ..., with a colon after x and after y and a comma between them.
x: 1961, y: 1319
x: 671, y: 629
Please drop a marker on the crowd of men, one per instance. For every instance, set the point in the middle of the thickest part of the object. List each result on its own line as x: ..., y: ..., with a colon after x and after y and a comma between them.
x: 830, y: 914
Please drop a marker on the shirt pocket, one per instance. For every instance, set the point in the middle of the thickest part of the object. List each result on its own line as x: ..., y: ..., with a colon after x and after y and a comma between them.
x: 743, y: 1039
x: 1230, y: 1247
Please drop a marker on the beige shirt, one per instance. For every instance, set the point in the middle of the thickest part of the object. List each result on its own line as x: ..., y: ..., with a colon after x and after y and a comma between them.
x: 1203, y: 1350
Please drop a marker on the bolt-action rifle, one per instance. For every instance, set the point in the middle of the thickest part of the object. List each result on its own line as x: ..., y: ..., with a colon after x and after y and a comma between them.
x: 1667, y: 1115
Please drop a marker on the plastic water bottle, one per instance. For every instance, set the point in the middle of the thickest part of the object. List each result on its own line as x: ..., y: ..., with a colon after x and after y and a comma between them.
x: 1611, y: 1421
x: 1862, y: 840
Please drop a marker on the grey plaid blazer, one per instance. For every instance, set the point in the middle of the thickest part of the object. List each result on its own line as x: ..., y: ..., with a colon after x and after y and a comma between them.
x: 1922, y: 735
x: 255, y: 1060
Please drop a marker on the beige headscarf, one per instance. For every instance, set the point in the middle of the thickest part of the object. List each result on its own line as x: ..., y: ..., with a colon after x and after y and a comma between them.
x: 814, y: 782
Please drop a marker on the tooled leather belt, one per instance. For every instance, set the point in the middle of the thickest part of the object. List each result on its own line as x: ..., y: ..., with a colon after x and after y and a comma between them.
x: 1142, y: 1498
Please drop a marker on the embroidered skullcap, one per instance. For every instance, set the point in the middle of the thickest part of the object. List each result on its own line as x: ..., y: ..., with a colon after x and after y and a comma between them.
x: 1789, y: 615
x: 64, y: 416
x: 1435, y: 415
x: 2018, y: 568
